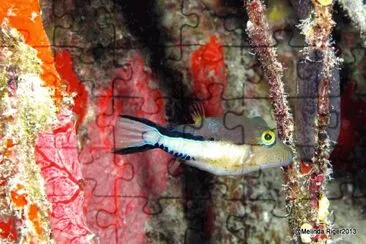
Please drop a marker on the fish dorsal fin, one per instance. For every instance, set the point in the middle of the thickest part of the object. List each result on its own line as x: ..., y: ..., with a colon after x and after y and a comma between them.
x: 197, y: 112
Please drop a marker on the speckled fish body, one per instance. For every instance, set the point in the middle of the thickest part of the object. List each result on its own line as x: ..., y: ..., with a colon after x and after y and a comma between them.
x: 212, y: 147
x: 230, y: 127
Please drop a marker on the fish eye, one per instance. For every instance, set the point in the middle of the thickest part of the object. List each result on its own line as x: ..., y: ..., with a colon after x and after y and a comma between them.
x: 268, y: 137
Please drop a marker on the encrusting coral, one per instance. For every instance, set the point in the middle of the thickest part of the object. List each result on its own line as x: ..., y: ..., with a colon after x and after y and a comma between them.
x: 26, y: 108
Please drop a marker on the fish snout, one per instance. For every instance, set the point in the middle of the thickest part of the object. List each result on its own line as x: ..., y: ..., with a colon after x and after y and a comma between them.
x: 286, y: 154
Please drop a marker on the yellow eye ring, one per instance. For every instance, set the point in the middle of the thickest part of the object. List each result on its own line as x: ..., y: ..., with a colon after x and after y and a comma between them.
x: 268, y: 137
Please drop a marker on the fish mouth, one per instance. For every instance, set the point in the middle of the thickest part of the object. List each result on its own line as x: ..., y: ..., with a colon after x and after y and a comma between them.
x: 287, y: 162
x: 289, y: 158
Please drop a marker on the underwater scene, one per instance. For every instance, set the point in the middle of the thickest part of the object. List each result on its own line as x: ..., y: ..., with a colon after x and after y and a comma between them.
x: 182, y: 121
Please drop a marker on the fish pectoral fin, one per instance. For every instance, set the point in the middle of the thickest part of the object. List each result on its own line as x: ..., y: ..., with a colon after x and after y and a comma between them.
x: 175, y: 165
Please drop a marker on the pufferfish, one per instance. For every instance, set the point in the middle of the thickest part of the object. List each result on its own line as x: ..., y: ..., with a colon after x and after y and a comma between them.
x: 208, y: 144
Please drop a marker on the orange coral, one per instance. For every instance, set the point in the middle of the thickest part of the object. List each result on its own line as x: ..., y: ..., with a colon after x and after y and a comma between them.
x: 64, y: 66
x: 209, y: 75
x: 9, y: 143
x: 305, y: 168
x: 25, y: 16
x: 34, y: 218
x: 20, y: 200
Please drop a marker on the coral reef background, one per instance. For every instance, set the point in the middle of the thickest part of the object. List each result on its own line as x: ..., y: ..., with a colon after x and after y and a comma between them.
x: 101, y: 58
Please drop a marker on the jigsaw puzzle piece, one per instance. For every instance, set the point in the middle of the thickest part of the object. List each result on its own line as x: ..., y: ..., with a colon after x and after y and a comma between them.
x: 153, y: 207
x: 240, y: 74
x: 290, y: 39
x: 62, y: 8
x: 122, y: 78
x: 337, y: 188
x: 239, y: 199
x: 237, y: 229
x: 211, y: 61
x: 254, y: 223
x: 143, y: 167
x: 269, y: 188
x: 349, y: 46
x: 196, y: 213
x: 197, y: 202
x: 229, y: 26
x: 163, y: 36
x: 236, y: 124
x: 163, y: 227
x: 281, y: 209
x: 74, y: 18
x: 256, y: 186
x: 129, y: 105
x: 245, y: 126
x: 217, y: 129
x: 130, y: 196
x: 218, y: 189
x: 135, y: 79
x: 149, y: 176
x: 154, y: 236
x: 105, y: 174
x: 359, y: 54
x: 117, y: 219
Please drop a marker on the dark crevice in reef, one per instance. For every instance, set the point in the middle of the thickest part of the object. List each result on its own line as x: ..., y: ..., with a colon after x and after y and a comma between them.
x: 143, y: 21
x: 142, y: 18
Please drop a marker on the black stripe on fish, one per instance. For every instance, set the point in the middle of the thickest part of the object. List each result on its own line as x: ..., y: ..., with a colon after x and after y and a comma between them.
x: 174, y: 153
x: 129, y: 150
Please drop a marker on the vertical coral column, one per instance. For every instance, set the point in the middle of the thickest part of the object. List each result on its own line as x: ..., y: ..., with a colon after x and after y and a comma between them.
x: 41, y: 187
x: 120, y: 188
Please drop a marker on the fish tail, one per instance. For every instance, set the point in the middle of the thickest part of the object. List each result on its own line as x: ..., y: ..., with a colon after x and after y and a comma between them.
x: 135, y: 135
